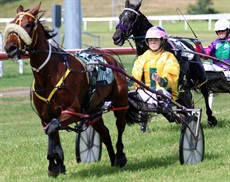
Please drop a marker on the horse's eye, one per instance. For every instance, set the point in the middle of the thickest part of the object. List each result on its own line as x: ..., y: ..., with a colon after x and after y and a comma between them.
x: 130, y: 16
x: 28, y: 26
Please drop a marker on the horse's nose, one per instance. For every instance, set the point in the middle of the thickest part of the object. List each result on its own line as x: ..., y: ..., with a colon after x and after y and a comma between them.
x: 117, y: 39
x: 11, y: 50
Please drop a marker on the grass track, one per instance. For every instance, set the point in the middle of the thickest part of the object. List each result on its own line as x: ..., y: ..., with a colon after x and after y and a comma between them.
x: 152, y: 156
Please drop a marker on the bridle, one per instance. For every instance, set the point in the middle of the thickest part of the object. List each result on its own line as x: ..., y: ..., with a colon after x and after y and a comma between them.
x: 127, y: 30
x: 29, y: 39
x: 15, y: 29
x: 33, y: 31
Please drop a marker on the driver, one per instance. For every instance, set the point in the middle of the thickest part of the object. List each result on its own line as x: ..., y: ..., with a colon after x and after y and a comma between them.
x: 219, y: 48
x: 157, y: 68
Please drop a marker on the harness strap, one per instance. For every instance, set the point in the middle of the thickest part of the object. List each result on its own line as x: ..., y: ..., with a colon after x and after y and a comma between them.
x: 198, y: 86
x: 75, y: 114
x: 87, y: 116
x: 45, y: 62
x: 118, y: 108
x: 47, y: 100
x: 129, y: 9
x: 90, y: 122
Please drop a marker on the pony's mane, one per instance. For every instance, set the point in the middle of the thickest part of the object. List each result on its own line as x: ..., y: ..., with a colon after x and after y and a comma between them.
x: 49, y: 33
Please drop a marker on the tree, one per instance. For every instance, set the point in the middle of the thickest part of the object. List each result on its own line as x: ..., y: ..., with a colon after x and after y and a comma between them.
x: 201, y: 7
x: 7, y: 1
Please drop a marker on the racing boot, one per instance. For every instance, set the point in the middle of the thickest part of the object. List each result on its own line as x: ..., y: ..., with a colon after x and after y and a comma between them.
x: 144, y: 121
x: 169, y: 116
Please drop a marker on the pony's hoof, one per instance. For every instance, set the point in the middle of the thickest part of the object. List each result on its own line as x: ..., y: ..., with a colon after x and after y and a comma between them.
x: 54, y: 171
x: 143, y: 127
x: 212, y: 121
x: 121, y: 161
x: 62, y: 169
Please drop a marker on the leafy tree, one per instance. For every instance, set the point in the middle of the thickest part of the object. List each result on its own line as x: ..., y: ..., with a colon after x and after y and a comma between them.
x: 7, y: 1
x: 201, y: 7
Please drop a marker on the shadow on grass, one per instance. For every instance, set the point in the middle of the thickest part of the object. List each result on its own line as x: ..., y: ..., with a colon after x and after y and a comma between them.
x: 131, y: 166
x: 222, y: 123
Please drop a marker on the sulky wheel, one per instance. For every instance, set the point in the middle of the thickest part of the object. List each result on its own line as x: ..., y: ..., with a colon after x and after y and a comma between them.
x: 191, y: 149
x: 88, y: 146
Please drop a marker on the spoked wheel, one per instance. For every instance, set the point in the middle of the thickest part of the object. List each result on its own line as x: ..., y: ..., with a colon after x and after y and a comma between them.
x: 88, y: 146
x: 191, y: 148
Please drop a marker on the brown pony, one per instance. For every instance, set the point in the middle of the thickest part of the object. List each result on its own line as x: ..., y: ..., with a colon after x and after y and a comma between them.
x: 62, y: 92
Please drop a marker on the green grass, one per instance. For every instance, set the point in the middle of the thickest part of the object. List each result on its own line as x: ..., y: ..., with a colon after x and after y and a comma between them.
x: 92, y: 8
x: 152, y: 156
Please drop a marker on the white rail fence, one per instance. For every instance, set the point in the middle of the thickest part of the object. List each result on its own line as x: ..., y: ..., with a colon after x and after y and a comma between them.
x: 113, y: 20
x: 160, y: 19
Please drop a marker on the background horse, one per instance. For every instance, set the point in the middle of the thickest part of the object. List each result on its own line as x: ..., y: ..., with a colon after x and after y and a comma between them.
x: 62, y: 90
x: 133, y: 22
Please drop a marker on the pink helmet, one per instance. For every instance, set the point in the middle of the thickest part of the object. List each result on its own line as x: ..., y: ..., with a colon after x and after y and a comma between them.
x: 156, y: 32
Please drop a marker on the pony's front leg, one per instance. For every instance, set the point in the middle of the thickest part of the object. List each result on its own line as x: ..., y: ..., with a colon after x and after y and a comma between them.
x: 120, y: 157
x: 55, y: 152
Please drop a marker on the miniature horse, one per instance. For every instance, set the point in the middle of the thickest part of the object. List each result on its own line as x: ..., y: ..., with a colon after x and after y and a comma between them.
x: 133, y: 22
x: 62, y: 92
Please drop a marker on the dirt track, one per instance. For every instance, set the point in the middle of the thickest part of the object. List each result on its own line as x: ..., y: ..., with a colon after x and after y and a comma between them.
x: 14, y: 93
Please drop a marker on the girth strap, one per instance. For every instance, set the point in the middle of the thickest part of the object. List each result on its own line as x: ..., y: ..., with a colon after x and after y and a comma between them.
x: 47, y: 100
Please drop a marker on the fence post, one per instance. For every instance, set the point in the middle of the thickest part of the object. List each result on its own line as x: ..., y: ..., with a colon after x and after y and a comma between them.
x: 1, y: 62
x: 72, y: 22
x: 20, y: 66
x: 209, y: 24
x: 56, y: 21
x: 85, y: 26
x: 1, y: 68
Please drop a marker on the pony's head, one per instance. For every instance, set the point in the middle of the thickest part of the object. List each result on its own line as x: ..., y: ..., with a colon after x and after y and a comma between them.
x: 21, y: 33
x: 127, y: 21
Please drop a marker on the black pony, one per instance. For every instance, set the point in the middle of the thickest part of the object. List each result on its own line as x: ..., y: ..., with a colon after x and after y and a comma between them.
x: 133, y: 22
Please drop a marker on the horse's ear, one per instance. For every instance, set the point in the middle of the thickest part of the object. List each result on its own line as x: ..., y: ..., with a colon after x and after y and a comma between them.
x: 127, y: 3
x: 20, y: 9
x: 138, y: 5
x: 35, y: 11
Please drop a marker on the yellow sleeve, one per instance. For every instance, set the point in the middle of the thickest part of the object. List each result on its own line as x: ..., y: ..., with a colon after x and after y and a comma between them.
x: 137, y: 70
x: 171, y: 71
